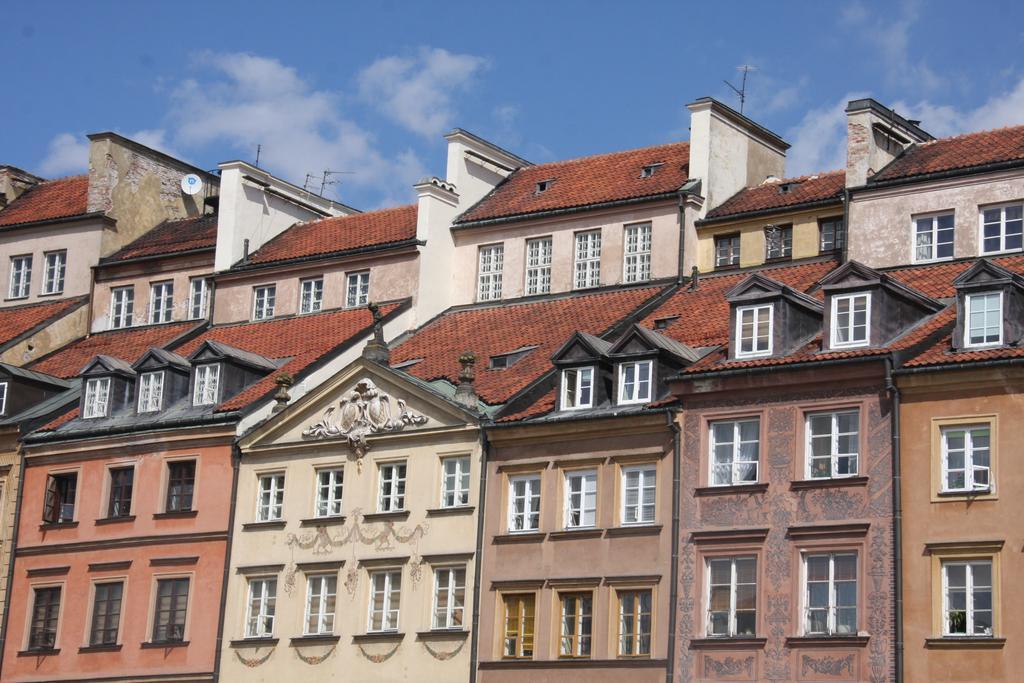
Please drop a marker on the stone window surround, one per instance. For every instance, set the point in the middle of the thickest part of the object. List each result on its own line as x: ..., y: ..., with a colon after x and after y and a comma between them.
x: 935, y: 429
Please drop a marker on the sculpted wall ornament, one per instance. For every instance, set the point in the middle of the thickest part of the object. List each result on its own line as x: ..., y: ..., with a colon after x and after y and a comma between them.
x: 827, y: 665
x: 363, y: 411
x: 253, y: 662
x: 443, y: 656
x: 313, y: 660
x: 730, y: 666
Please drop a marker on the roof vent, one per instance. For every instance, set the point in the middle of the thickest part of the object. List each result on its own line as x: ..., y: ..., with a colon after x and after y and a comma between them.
x: 543, y: 186
x: 650, y: 169
x: 786, y: 188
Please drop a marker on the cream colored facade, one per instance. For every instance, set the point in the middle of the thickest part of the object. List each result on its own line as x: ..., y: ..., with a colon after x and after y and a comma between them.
x: 418, y: 543
x: 179, y: 271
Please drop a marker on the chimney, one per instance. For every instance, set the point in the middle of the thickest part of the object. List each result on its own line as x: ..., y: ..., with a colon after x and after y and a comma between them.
x: 875, y: 135
x: 465, y: 394
x: 14, y: 181
x: 375, y: 349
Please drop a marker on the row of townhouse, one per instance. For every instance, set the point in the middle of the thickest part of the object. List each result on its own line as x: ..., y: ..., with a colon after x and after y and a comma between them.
x: 655, y: 414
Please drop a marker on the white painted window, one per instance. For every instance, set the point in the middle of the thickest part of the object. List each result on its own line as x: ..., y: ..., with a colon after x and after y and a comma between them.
x: 161, y: 302
x: 492, y: 260
x: 966, y: 458
x: 830, y: 594
x: 270, y: 497
x: 524, y: 503
x: 639, y: 492
x: 580, y: 499
x: 754, y: 331
x: 637, y: 266
x: 778, y: 242
x: 207, y: 384
x: 97, y: 397
x: 635, y: 381
x: 199, y: 298
x: 588, y: 259
x: 538, y: 266
x: 262, y: 603
x: 455, y: 482
x: 851, y: 320
x: 392, y: 487
x: 312, y: 295
x: 329, y: 486
x: 1001, y: 228
x: 449, y: 597
x: 577, y: 388
x: 357, y: 289
x: 122, y: 307
x: 833, y: 444
x: 3, y: 410
x: 21, y: 276
x: 967, y: 598
x: 321, y: 602
x: 56, y: 267
x: 735, y: 451
x: 984, y: 319
x: 933, y: 237
x: 731, y: 597
x: 385, y: 597
x: 831, y: 234
x: 151, y: 391
x: 727, y: 251
x: 263, y: 301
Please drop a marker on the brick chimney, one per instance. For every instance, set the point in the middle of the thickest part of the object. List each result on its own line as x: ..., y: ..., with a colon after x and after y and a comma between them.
x: 875, y: 135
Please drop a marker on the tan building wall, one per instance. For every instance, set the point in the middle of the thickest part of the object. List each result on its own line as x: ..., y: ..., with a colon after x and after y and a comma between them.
x: 942, y: 527
x: 50, y: 338
x: 414, y: 543
x: 80, y: 239
x: 141, y: 277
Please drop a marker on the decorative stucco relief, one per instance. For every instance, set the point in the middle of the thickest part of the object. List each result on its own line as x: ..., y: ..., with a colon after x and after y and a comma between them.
x: 826, y: 665
x: 730, y: 666
x: 443, y: 656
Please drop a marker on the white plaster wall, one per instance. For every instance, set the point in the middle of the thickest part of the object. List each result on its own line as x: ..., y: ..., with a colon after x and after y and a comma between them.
x: 101, y: 300
x: 82, y: 242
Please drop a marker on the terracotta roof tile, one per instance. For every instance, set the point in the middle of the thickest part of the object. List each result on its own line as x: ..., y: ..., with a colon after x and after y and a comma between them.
x: 545, y: 404
x: 767, y: 196
x: 585, y: 181
x: 341, y: 233
x: 956, y: 153
x: 496, y: 330
x: 171, y: 237
x: 49, y: 200
x: 18, y: 320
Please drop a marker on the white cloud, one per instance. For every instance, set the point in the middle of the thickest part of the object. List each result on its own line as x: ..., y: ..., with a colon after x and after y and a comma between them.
x: 1002, y: 109
x: 417, y: 92
x: 67, y: 154
x: 819, y: 140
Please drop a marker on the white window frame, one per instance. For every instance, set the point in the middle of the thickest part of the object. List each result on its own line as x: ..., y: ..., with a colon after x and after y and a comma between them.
x: 969, y: 590
x: 970, y: 469
x: 531, y: 493
x: 455, y: 484
x: 968, y: 298
x: 161, y: 302
x: 1002, y: 229
x: 270, y: 497
x: 732, y: 630
x: 3, y: 411
x: 734, y: 463
x: 199, y: 298
x: 634, y: 394
x: 151, y: 391
x: 539, y: 256
x: 21, y: 277
x: 123, y: 310
x: 834, y: 434
x: 933, y: 233
x: 55, y: 265
x: 490, y: 264
x: 265, y: 604
x: 389, y: 613
x: 329, y: 505
x: 585, y: 378
x: 264, y: 300
x: 357, y: 289
x: 717, y: 239
x: 311, y: 295
x: 579, y: 486
x: 587, y: 259
x: 834, y: 325
x: 393, y: 473
x: 318, y: 586
x: 756, y: 312
x: 647, y: 480
x: 449, y: 586
x: 636, y: 261
x: 207, y: 384
x: 785, y: 251
x: 97, y: 397
x: 832, y: 607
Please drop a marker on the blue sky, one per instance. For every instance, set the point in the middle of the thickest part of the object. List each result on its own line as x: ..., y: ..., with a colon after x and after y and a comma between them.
x: 370, y: 87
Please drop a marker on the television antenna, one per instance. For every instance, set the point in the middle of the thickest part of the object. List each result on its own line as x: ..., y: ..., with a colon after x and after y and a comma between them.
x: 325, y: 180
x: 742, y: 90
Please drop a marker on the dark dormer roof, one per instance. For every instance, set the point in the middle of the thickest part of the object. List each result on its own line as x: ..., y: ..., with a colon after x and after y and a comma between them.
x: 214, y: 350
x: 108, y: 365
x: 156, y: 358
x: 655, y: 342
x: 592, y: 347
x: 758, y: 287
x: 855, y: 275
x: 983, y: 273
x: 32, y: 376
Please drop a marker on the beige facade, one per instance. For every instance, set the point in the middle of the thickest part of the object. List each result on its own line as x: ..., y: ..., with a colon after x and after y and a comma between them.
x: 56, y: 334
x: 140, y: 278
x: 80, y: 241
x: 355, y: 571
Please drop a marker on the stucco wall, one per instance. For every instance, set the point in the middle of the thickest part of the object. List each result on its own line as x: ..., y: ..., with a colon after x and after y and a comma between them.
x: 55, y: 335
x: 182, y: 277
x: 80, y: 239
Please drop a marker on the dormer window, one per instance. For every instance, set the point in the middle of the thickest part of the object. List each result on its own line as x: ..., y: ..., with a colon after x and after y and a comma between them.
x: 207, y: 384
x: 577, y: 388
x: 754, y: 331
x: 151, y: 391
x: 851, y: 324
x: 984, y: 317
x: 649, y: 170
x: 635, y: 382
x: 97, y: 397
x: 543, y: 186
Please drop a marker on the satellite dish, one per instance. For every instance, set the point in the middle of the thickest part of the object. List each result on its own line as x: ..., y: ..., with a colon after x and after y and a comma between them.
x: 191, y: 184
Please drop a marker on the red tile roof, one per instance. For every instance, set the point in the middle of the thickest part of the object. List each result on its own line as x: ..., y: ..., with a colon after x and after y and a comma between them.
x: 342, y: 233
x: 127, y: 344
x: 957, y: 153
x: 50, y: 200
x: 171, y: 237
x: 496, y: 330
x: 299, y: 340
x: 585, y: 181
x: 768, y: 196
x: 16, y: 321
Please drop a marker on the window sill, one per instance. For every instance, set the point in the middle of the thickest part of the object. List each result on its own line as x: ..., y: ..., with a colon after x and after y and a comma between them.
x: 459, y: 633
x: 730, y: 490
x: 827, y: 483
x: 385, y: 516
x: 253, y: 642
x: 334, y: 520
x: 730, y: 266
x: 964, y: 643
x: 965, y: 495
x: 178, y: 514
x: 633, y: 530
x: 624, y: 661
x: 40, y: 652
x: 43, y: 295
x: 50, y: 526
x: 269, y: 524
x: 382, y: 637
x: 114, y: 520
x: 314, y: 639
x: 16, y: 298
x: 99, y: 648
x: 161, y: 645
x: 827, y: 641
x: 450, y: 511
x: 588, y: 532
x: 535, y: 537
x: 728, y: 643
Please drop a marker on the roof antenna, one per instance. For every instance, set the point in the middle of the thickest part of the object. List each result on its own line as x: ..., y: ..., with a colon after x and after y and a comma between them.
x: 742, y: 90
x: 325, y: 180
x: 259, y: 148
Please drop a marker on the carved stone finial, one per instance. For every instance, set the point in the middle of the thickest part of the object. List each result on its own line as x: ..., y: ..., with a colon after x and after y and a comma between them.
x: 284, y: 382
x: 375, y: 349
x: 465, y: 393
x: 694, y: 277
